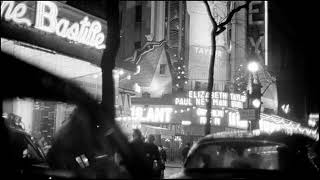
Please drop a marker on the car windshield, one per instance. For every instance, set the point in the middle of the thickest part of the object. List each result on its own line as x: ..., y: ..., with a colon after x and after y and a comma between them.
x: 163, y: 75
x: 235, y: 155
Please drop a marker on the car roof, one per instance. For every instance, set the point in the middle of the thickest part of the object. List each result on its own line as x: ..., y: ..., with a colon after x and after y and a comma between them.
x: 280, y: 137
x: 254, y: 139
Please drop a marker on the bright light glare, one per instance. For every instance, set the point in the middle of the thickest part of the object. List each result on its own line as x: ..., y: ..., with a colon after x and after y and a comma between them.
x: 186, y: 123
x: 256, y: 103
x: 253, y: 67
x: 137, y: 88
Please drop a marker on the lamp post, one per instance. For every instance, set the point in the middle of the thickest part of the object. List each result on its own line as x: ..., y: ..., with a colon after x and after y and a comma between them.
x: 254, y: 94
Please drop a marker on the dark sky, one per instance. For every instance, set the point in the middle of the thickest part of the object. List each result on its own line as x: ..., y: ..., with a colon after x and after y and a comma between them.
x: 294, y: 53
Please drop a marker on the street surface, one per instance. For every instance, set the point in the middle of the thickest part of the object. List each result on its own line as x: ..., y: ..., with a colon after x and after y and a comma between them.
x: 172, y: 168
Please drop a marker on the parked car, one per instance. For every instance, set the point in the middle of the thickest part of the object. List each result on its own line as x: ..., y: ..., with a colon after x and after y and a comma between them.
x: 247, y: 155
x: 27, y: 152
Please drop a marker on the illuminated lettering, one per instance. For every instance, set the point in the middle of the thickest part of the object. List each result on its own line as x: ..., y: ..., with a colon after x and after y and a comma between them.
x: 203, y: 120
x: 150, y: 115
x: 199, y: 98
x: 217, y: 102
x: 47, y: 11
x: 168, y: 112
x: 14, y: 13
x: 46, y: 20
x: 157, y: 115
x: 217, y: 121
x: 83, y: 32
x: 234, y: 121
x: 214, y: 112
x: 236, y: 104
x: 62, y: 27
x: 207, y: 51
x: 183, y: 101
x: 200, y: 102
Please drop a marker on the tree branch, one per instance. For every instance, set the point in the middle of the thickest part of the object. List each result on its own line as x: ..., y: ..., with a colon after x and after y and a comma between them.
x: 221, y: 26
x: 213, y: 21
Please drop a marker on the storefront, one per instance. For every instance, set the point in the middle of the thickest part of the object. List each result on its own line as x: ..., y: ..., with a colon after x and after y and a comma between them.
x: 62, y: 40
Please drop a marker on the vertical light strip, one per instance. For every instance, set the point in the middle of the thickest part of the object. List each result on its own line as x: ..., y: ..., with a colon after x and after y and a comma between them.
x: 266, y: 22
x: 152, y: 19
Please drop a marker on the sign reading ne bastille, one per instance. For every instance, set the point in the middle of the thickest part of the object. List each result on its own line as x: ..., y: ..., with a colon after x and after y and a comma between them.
x: 221, y: 99
x: 46, y: 19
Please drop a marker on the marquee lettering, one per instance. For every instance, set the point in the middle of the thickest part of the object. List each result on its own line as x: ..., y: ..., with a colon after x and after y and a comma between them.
x: 84, y: 32
x: 152, y: 114
x: 14, y: 13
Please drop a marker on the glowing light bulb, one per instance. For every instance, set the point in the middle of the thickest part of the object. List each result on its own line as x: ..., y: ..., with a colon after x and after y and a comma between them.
x: 253, y: 66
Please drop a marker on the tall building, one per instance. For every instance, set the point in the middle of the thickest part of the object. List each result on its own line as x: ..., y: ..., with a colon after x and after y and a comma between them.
x: 200, y: 46
x: 175, y: 64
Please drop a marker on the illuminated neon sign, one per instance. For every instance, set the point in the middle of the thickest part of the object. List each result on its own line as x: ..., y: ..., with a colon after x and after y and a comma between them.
x: 46, y: 19
x: 221, y: 99
x: 151, y: 114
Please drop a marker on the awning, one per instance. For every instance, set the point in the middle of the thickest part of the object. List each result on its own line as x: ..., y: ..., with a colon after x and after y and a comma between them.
x: 149, y: 129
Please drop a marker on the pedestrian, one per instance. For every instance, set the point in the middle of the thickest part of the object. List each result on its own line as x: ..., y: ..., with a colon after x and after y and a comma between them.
x: 163, y: 153
x: 163, y: 156
x: 138, y: 145
x: 185, y: 151
x: 153, y: 156
x: 143, y: 147
x: 137, y: 137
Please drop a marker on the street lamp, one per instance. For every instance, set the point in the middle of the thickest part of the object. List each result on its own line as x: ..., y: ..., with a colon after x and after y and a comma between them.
x: 253, y: 66
x: 256, y: 103
x: 254, y: 95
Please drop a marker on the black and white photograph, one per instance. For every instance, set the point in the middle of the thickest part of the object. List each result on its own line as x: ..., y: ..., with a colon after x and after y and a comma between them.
x: 108, y: 89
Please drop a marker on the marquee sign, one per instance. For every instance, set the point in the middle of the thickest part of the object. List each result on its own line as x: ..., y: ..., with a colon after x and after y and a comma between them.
x: 220, y: 99
x: 156, y: 114
x: 46, y: 19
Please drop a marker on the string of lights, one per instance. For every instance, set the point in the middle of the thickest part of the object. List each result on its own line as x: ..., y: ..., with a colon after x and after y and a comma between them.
x: 180, y: 75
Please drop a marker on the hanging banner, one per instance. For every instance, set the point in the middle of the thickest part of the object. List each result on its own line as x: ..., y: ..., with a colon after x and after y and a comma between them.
x: 256, y: 32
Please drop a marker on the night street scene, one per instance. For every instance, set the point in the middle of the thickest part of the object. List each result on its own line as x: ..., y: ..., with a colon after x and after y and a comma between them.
x: 159, y: 90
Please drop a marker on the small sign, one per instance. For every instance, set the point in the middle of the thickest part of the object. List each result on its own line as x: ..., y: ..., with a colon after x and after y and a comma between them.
x: 247, y: 114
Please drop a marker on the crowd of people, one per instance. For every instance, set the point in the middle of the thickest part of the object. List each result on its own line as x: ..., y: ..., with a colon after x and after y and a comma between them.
x: 156, y: 155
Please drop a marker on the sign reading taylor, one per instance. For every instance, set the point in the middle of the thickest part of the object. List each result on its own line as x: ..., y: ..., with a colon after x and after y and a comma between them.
x: 221, y: 99
x: 46, y: 19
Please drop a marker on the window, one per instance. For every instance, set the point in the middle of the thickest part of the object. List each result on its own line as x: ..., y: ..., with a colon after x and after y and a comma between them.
x: 163, y: 68
x: 225, y: 155
x: 138, y: 13
x: 137, y: 45
x: 197, y: 86
x: 146, y: 94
